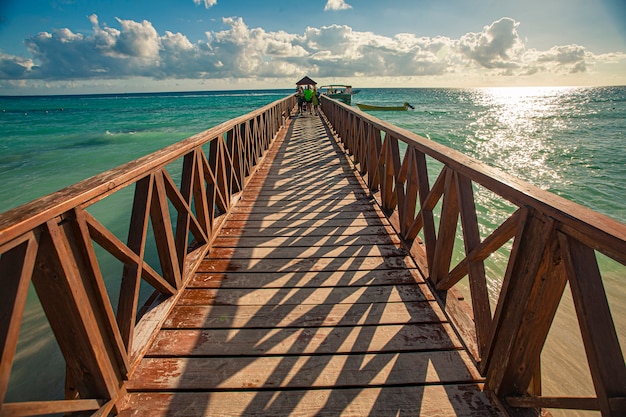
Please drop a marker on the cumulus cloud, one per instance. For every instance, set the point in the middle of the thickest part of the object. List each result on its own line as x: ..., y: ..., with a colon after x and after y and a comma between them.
x: 136, y: 49
x: 497, y: 46
x: 14, y: 67
x: 337, y: 5
x: 207, y: 3
x: 568, y: 59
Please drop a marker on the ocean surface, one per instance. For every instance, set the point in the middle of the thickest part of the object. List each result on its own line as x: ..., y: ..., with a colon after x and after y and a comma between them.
x: 570, y: 141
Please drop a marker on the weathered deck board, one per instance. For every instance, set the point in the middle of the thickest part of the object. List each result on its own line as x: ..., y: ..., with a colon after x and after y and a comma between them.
x: 273, y: 296
x: 302, y: 315
x: 307, y: 305
x: 417, y: 400
x: 301, y: 279
x: 307, y: 341
x: 304, y: 371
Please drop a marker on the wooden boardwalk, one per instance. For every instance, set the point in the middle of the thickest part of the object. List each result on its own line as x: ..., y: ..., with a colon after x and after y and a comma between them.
x: 307, y: 306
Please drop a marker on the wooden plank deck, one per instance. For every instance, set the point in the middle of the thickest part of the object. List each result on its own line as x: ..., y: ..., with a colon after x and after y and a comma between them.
x: 307, y: 306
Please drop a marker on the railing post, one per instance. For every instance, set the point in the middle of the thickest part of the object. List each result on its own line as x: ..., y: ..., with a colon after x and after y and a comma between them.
x: 232, y: 184
x: 476, y: 268
x: 183, y: 219
x: 374, y: 148
x: 233, y: 142
x: 164, y: 233
x: 217, y: 162
x: 131, y: 275
x: 248, y: 148
x: 604, y: 355
x: 530, y: 295
x: 16, y: 266
x: 67, y: 288
x: 388, y: 171
x: 447, y: 229
x: 407, y: 199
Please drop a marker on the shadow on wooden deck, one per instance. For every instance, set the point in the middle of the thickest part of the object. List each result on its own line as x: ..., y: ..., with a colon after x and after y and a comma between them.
x: 307, y: 305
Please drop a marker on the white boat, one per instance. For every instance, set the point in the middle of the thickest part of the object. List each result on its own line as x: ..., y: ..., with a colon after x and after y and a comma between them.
x: 339, y: 92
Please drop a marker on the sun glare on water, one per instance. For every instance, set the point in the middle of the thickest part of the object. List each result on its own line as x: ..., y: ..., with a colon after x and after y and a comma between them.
x: 513, y: 131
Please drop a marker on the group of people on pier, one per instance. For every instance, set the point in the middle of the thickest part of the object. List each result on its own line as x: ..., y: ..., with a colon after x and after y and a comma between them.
x: 308, y: 99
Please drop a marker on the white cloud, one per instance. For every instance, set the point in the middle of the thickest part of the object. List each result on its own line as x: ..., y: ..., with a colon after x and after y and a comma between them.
x: 497, y: 46
x: 337, y: 5
x: 139, y: 40
x: 571, y: 58
x: 136, y: 49
x: 14, y: 67
x: 207, y: 3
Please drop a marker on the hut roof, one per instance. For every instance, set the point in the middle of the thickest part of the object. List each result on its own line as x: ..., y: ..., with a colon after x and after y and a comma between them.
x: 306, y: 81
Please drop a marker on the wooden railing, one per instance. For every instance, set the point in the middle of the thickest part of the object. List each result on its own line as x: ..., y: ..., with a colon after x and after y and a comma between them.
x: 50, y: 243
x: 554, y: 242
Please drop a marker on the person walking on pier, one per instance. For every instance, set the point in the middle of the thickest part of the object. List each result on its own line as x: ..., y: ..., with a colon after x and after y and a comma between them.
x: 300, y: 97
x: 308, y: 97
x: 315, y: 100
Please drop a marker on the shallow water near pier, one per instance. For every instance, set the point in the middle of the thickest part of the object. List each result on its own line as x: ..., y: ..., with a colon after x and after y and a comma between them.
x: 569, y: 141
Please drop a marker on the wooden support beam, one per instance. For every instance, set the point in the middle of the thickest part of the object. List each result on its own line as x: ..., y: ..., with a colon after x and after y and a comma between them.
x: 205, y: 191
x: 164, y: 234
x: 389, y: 167
x: 97, y: 291
x: 70, y: 306
x: 215, y: 166
x: 183, y: 218
x: 229, y: 168
x: 374, y: 147
x: 233, y: 144
x: 109, y: 242
x: 530, y: 296
x: 536, y: 322
x: 37, y: 408
x: 131, y: 276
x: 411, y: 183
x: 428, y: 200
x: 489, y: 245
x: 476, y: 268
x: 447, y: 229
x: 604, y: 353
x: 182, y: 206
x: 16, y: 267
x: 617, y: 405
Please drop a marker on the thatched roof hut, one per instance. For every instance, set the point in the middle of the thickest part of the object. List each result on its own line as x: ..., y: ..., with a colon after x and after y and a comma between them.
x: 306, y: 81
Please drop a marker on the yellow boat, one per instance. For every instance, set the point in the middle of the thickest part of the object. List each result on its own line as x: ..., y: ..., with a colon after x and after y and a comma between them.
x: 404, y: 107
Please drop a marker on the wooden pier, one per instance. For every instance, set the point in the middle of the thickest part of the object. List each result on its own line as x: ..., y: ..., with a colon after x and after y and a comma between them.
x: 307, y: 305
x: 304, y: 266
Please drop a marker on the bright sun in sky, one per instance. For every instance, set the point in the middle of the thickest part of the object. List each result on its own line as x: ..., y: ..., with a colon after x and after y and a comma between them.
x: 83, y: 46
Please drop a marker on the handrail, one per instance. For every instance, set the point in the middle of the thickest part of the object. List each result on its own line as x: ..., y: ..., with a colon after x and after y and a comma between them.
x: 554, y: 243
x: 50, y: 242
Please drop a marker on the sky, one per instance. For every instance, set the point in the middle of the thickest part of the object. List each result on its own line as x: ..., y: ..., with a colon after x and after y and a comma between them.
x: 118, y: 46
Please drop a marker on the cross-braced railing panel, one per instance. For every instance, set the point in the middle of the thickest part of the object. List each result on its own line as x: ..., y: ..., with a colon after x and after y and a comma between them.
x: 548, y: 241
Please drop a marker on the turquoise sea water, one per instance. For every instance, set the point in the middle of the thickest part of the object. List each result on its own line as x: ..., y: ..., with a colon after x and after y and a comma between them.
x: 566, y: 140
x: 569, y: 141
x: 51, y: 142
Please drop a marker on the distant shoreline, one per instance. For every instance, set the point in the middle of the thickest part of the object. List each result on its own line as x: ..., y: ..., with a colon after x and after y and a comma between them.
x: 153, y: 94
x: 275, y: 90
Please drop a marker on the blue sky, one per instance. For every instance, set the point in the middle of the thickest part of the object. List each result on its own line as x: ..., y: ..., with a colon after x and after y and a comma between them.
x: 81, y: 46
